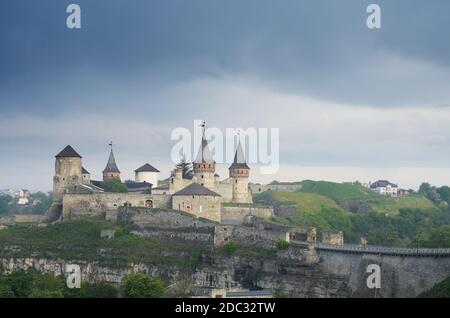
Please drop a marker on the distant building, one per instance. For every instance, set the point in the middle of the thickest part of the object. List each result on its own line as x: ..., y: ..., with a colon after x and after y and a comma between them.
x: 23, y: 197
x: 384, y: 187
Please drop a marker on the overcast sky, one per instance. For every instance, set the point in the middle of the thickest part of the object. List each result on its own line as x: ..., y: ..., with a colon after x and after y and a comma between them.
x: 351, y: 103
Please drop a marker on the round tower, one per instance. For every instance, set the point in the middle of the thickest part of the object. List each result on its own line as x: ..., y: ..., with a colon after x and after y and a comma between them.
x: 67, y: 173
x: 204, y: 166
x: 147, y: 173
x: 239, y: 174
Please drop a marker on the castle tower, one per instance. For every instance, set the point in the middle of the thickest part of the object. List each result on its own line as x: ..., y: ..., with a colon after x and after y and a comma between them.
x: 67, y: 173
x: 239, y: 173
x: 111, y: 171
x: 147, y: 173
x: 204, y: 165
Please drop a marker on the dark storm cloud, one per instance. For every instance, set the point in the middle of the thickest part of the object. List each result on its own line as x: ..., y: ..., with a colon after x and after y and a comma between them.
x: 318, y: 48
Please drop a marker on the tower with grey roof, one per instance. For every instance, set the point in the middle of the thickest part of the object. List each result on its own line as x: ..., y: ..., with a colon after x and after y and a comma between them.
x: 111, y: 171
x: 204, y: 165
x: 239, y: 174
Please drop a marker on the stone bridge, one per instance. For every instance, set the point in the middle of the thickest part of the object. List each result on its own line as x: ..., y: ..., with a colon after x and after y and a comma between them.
x: 405, y: 272
x: 381, y: 250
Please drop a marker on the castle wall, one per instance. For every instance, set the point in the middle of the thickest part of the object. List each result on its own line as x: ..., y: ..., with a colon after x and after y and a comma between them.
x: 167, y: 225
x: 258, y: 188
x: 331, y: 237
x: 235, y: 215
x: 84, y: 205
x: 247, y: 236
x: 207, y: 207
x: 21, y: 218
x: 225, y: 189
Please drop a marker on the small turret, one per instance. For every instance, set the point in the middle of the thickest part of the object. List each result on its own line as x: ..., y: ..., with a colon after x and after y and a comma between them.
x: 204, y: 165
x: 111, y: 171
x: 239, y: 173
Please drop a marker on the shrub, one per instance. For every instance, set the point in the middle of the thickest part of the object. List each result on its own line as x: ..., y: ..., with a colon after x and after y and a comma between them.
x: 139, y: 285
x: 282, y: 244
x: 230, y: 247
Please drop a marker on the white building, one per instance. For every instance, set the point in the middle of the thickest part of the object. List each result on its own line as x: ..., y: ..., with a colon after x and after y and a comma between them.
x: 147, y: 173
x: 384, y: 187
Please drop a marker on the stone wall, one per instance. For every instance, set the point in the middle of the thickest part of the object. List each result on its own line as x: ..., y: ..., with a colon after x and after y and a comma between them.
x: 332, y: 237
x: 234, y: 215
x: 203, y: 206
x: 401, y: 276
x: 258, y: 188
x: 246, y: 236
x: 83, y: 205
x: 166, y: 225
x: 21, y: 218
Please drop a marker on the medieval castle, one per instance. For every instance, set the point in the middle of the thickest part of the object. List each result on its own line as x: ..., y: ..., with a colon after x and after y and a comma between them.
x: 76, y: 195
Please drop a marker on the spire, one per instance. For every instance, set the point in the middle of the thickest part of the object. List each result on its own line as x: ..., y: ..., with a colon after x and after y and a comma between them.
x: 111, y: 165
x: 239, y: 158
x: 204, y: 155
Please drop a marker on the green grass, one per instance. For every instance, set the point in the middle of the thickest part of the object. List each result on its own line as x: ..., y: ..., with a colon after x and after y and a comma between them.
x: 337, y: 191
x: 440, y: 290
x: 314, y: 210
x: 392, y: 205
x: 80, y: 240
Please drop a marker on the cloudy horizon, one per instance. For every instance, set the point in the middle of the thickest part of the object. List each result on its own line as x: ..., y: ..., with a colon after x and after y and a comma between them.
x: 351, y: 103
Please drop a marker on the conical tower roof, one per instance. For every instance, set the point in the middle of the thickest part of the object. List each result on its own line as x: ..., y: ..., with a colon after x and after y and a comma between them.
x: 68, y: 152
x: 111, y: 165
x: 239, y: 159
x: 204, y: 155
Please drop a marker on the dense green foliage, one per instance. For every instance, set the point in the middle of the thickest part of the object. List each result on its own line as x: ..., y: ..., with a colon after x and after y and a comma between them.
x: 4, y: 203
x: 115, y: 185
x: 440, y: 290
x: 186, y: 168
x: 138, y: 285
x: 23, y: 284
x: 39, y: 203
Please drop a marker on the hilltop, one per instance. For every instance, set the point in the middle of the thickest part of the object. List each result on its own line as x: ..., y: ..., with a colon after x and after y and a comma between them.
x: 407, y: 220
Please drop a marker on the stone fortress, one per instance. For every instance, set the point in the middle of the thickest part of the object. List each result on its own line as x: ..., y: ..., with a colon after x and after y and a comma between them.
x: 216, y: 212
x: 76, y: 195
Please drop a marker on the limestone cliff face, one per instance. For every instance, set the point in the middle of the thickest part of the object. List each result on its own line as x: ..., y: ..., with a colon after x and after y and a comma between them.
x: 293, y: 271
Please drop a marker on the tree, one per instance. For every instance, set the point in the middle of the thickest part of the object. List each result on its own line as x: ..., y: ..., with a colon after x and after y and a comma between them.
x: 101, y: 290
x: 46, y: 294
x: 138, y: 285
x: 6, y: 291
x: 186, y: 167
x: 115, y: 185
x: 20, y: 283
x: 4, y: 203
x: 430, y: 192
x: 444, y: 192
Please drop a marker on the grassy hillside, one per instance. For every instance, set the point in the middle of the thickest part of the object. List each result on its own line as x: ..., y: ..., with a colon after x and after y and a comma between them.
x: 314, y: 210
x: 337, y: 191
x: 440, y: 290
x: 344, y: 193
x: 392, y: 205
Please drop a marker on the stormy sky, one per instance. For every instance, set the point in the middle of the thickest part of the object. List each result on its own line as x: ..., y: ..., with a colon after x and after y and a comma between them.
x: 350, y: 102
